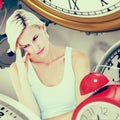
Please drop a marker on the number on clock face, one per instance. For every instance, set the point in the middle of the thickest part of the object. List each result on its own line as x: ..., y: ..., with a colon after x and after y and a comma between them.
x: 84, y: 8
x: 99, y: 111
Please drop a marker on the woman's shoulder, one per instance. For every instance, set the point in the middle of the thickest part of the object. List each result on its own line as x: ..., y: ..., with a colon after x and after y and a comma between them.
x: 77, y: 54
x: 80, y: 62
x: 79, y: 59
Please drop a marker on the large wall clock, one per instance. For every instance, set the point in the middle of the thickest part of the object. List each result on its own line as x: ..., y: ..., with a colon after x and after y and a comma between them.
x: 84, y: 15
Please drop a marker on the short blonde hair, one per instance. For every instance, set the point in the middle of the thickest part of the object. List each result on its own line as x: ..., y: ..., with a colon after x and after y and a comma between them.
x: 17, y: 22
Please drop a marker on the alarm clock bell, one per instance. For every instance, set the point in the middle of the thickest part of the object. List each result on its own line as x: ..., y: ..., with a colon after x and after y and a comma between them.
x: 92, y: 82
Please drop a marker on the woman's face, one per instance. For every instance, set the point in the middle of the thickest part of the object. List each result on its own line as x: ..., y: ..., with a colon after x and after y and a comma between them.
x: 34, y: 40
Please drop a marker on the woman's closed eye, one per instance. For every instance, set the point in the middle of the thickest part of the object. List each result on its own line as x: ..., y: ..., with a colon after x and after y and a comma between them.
x: 35, y: 37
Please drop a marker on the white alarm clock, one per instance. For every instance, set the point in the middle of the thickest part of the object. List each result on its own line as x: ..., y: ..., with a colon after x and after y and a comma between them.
x: 10, y: 109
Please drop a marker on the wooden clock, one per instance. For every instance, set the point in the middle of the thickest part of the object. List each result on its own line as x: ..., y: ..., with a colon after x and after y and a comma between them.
x: 84, y: 15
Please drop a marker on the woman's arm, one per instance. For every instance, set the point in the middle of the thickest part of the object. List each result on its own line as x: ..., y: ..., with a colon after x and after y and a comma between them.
x: 19, y: 77
x: 81, y: 68
x: 15, y: 81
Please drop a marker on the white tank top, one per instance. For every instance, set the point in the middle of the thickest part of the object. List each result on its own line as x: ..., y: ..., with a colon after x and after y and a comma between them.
x: 59, y: 99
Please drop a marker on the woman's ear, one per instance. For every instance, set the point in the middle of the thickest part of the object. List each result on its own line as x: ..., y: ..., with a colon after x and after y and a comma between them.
x: 43, y: 27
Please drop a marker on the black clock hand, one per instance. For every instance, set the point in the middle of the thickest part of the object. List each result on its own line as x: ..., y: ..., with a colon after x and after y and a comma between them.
x: 98, y: 117
x: 118, y: 66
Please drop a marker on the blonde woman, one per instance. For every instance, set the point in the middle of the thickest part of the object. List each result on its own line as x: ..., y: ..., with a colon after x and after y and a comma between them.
x: 47, y: 79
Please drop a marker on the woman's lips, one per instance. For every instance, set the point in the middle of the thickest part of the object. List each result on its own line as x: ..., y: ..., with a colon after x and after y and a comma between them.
x: 40, y: 51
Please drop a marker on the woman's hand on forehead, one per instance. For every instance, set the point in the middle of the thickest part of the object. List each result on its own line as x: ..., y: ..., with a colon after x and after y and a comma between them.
x: 21, y: 64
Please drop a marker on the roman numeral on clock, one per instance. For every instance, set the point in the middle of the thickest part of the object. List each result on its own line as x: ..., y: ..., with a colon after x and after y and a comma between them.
x: 73, y: 4
x: 103, y: 2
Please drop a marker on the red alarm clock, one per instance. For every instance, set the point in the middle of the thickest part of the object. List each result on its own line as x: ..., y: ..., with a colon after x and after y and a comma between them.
x: 103, y: 104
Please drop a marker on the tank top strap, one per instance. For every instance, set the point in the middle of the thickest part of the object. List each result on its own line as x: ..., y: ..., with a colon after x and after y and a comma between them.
x: 68, y: 56
x: 69, y: 73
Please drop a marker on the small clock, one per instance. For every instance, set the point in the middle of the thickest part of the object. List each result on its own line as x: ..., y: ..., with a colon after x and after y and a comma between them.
x: 109, y: 64
x: 98, y: 110
x: 85, y: 15
x: 10, y: 109
x: 103, y: 104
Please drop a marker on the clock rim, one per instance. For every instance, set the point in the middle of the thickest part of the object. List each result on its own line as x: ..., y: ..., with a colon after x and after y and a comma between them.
x: 95, y: 24
x: 110, y: 51
x: 81, y: 106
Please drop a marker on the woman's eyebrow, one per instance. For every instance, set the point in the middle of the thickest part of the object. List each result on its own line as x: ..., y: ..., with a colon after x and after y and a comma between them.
x: 21, y: 45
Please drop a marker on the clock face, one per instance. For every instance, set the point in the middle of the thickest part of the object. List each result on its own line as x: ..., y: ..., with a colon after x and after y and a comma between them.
x: 8, y: 112
x: 95, y: 15
x: 12, y: 110
x: 110, y: 64
x: 83, y: 8
x: 99, y: 111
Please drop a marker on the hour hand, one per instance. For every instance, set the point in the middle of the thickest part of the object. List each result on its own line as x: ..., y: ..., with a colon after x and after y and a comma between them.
x: 98, y: 117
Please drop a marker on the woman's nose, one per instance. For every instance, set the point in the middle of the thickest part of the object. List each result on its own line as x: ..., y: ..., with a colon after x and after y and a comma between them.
x: 34, y: 47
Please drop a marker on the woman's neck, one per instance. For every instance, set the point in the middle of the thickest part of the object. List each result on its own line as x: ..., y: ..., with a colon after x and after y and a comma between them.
x: 53, y: 54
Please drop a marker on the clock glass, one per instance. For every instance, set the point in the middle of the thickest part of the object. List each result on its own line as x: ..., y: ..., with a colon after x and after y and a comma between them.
x: 110, y: 63
x: 85, y: 15
x: 83, y: 8
x: 99, y: 111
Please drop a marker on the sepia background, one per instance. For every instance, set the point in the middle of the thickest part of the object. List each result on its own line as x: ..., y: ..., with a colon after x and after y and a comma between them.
x: 93, y: 44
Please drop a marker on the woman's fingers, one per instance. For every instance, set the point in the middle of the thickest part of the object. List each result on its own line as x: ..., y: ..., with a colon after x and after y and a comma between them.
x: 22, y: 68
x: 27, y: 58
x: 19, y: 58
x: 19, y: 61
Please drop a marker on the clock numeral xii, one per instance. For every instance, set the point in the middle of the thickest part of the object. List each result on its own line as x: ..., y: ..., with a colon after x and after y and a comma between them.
x: 104, y: 110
